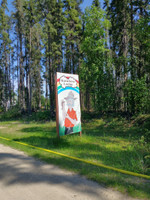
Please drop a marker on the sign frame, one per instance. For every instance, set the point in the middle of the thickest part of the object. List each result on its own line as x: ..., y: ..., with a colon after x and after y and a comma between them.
x: 68, y: 89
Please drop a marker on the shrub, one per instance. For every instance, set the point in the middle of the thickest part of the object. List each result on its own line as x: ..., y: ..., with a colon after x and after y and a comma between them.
x: 12, y: 113
x: 137, y: 96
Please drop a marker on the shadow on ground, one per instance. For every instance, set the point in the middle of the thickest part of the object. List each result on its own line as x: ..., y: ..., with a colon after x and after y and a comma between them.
x: 19, y: 169
x: 23, y: 170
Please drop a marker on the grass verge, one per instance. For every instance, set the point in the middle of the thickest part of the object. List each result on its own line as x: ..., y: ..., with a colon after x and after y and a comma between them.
x: 110, y: 141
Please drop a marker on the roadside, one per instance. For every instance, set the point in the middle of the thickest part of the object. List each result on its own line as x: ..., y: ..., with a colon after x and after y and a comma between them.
x: 23, y: 177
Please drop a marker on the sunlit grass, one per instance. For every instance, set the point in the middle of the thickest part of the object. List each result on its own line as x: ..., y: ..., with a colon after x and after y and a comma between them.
x: 110, y: 141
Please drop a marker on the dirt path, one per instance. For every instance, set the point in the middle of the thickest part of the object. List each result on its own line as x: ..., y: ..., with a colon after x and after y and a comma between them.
x: 24, y: 178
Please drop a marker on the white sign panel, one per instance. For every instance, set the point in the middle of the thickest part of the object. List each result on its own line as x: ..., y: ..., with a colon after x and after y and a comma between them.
x: 68, y: 104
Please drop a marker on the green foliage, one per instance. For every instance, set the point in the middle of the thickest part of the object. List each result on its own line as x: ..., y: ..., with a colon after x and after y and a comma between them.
x: 96, y: 66
x: 106, y: 47
x: 112, y: 141
x: 1, y: 109
x: 39, y: 116
x: 142, y: 122
x: 72, y: 35
x: 12, y: 113
x: 142, y: 32
x: 94, y: 32
x: 5, y: 52
x: 96, y: 3
x: 137, y: 96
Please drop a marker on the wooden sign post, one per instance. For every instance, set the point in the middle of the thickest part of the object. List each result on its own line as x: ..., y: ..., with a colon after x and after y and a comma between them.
x: 68, y: 112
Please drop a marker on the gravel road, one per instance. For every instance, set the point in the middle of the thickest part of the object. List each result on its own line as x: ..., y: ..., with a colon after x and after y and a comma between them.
x: 24, y: 178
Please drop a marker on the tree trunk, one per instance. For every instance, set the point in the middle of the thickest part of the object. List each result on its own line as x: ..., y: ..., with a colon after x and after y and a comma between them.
x: 50, y: 77
x: 132, y: 50
x: 29, y: 75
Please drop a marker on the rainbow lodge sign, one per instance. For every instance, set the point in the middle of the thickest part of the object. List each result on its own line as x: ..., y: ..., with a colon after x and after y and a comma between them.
x: 68, y: 114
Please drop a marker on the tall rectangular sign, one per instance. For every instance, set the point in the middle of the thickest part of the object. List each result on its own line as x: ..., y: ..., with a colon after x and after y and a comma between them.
x: 68, y: 114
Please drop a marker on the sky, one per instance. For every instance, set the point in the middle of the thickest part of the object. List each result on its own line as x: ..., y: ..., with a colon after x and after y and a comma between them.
x: 86, y: 3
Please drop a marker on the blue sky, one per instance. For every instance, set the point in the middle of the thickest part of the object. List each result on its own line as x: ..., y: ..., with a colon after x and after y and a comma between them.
x: 89, y: 2
x: 86, y: 3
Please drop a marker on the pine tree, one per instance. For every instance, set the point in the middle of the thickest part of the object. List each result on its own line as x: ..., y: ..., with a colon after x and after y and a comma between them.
x: 144, y: 17
x: 36, y: 66
x: 72, y: 33
x: 4, y: 55
x: 119, y: 39
x: 49, y: 32
x: 32, y: 44
x: 19, y: 27
x: 53, y: 29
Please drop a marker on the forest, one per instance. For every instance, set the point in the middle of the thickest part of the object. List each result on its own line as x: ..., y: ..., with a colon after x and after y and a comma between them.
x: 108, y: 45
